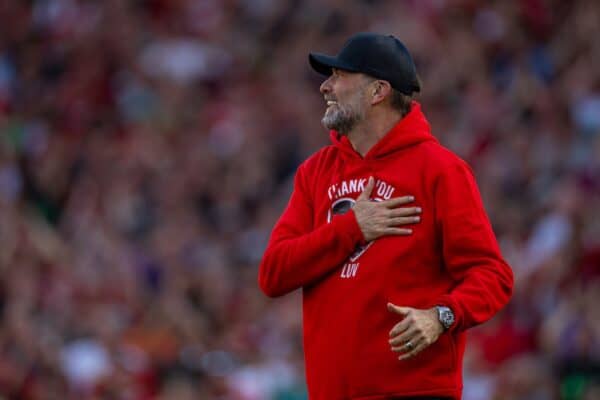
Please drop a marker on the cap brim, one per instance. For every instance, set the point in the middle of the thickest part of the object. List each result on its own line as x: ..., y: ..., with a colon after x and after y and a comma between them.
x: 323, y: 64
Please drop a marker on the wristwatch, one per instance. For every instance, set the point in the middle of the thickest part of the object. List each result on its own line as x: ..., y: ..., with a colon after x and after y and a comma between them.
x: 446, y: 316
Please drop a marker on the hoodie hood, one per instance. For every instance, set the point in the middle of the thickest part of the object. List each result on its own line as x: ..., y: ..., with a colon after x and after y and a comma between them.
x: 409, y: 131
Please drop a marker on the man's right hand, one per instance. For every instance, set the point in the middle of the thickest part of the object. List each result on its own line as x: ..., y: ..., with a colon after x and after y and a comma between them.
x: 382, y: 218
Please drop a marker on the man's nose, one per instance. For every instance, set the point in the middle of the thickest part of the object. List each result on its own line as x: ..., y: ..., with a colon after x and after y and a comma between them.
x: 325, y: 86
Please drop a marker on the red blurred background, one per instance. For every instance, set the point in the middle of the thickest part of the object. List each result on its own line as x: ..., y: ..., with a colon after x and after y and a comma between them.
x: 147, y: 148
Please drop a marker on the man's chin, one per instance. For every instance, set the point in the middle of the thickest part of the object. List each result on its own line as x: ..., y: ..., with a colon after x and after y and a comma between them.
x: 330, y: 120
x: 328, y: 123
x: 336, y: 120
x: 336, y: 128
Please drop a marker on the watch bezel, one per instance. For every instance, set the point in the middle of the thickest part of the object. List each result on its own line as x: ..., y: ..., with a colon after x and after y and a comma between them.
x: 445, y: 316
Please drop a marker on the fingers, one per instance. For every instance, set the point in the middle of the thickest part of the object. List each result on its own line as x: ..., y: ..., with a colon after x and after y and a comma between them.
x: 397, y: 201
x: 404, y: 329
x: 381, y: 218
x: 399, y: 328
x: 404, y: 311
x: 397, y: 231
x: 405, y: 212
x: 417, y: 347
x: 408, y: 345
x: 403, y: 220
x: 366, y: 193
x: 404, y: 337
x: 415, y: 332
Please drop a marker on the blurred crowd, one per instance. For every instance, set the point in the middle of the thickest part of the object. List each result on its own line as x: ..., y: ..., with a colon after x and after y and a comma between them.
x: 148, y: 146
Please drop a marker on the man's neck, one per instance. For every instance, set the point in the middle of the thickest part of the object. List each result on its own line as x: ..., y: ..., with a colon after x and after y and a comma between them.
x: 370, y: 131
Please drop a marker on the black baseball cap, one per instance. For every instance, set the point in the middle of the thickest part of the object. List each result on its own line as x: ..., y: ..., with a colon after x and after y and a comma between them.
x: 380, y: 56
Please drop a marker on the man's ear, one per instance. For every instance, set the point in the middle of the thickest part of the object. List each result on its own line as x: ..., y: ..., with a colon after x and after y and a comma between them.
x: 380, y: 90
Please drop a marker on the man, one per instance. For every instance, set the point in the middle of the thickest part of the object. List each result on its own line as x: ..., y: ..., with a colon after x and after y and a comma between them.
x: 388, y: 291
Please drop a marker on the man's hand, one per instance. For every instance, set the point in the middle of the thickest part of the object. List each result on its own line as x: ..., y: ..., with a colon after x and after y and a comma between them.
x: 380, y: 218
x: 417, y: 330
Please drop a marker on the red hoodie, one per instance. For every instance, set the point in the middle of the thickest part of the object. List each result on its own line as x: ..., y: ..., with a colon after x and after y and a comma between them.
x: 452, y: 258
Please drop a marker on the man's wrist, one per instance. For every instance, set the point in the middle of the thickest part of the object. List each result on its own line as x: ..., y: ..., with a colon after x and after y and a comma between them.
x: 434, y: 316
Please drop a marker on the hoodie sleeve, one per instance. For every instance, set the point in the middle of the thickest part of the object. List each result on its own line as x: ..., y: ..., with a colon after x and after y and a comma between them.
x: 471, y: 254
x: 299, y: 254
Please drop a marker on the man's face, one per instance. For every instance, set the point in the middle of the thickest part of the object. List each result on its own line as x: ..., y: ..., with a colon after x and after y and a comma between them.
x: 345, y: 93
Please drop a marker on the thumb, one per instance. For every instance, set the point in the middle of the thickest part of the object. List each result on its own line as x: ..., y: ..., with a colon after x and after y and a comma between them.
x: 398, y: 310
x: 366, y: 193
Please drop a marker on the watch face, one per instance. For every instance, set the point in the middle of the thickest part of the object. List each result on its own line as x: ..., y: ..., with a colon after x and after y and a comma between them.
x: 446, y: 316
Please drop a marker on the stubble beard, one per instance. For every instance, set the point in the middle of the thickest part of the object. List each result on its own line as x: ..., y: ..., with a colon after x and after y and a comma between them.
x: 341, y: 118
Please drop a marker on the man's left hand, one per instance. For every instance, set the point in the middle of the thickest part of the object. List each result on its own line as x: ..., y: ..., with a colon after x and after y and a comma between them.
x: 417, y: 330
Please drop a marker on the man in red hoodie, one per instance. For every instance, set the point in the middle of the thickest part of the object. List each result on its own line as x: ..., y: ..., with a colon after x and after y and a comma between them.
x: 386, y: 234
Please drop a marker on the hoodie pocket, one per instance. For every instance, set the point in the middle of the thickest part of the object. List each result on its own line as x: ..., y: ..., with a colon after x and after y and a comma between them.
x: 378, y: 371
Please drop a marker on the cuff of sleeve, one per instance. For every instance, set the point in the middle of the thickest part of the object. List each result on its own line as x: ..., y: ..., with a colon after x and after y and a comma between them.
x: 448, y: 301
x: 348, y: 226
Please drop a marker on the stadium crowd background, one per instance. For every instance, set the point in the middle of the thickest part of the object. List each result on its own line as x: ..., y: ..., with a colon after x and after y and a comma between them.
x: 147, y: 148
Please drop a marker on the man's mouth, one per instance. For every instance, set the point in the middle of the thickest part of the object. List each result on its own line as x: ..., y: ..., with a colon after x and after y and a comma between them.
x: 331, y: 103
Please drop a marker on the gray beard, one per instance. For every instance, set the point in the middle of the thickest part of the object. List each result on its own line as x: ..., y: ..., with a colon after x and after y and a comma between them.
x: 342, y: 120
